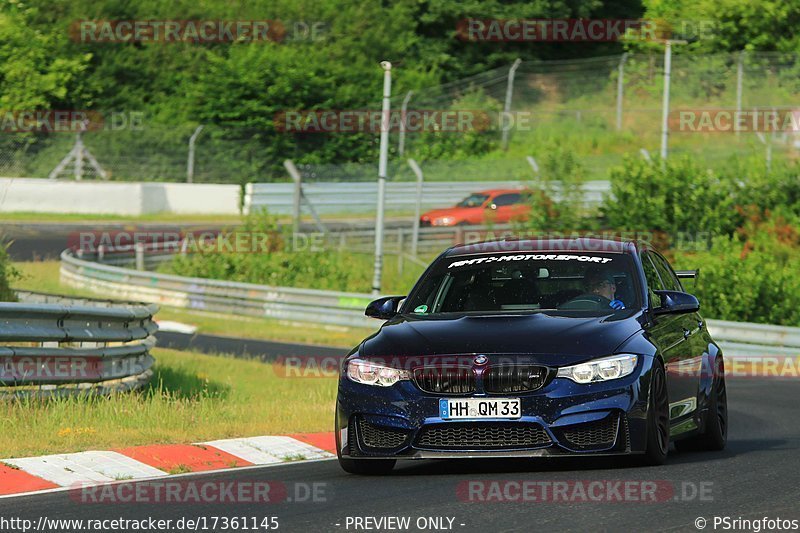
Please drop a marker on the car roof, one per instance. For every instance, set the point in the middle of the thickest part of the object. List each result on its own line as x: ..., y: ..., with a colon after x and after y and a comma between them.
x: 490, y: 192
x: 533, y: 244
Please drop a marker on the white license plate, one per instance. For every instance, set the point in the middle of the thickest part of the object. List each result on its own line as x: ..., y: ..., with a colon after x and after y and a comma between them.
x: 455, y: 408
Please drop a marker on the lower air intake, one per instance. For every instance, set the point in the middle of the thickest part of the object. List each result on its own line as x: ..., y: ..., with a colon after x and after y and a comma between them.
x: 598, y: 435
x: 486, y: 436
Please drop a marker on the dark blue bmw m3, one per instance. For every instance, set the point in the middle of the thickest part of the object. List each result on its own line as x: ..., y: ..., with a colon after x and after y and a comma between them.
x: 530, y: 348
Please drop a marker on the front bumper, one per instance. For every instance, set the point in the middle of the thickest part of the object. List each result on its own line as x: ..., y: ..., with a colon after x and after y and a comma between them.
x: 562, y: 418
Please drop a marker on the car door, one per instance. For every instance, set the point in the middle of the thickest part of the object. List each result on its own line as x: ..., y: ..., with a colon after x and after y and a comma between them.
x: 505, y: 205
x: 689, y: 370
x: 667, y: 332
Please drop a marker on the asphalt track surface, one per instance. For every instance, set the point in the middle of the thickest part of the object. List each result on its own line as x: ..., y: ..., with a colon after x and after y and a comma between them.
x: 45, y: 241
x: 757, y: 476
x: 243, y: 348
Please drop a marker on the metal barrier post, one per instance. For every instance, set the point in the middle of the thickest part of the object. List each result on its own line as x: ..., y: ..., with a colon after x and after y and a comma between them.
x: 417, y: 208
x: 507, y: 106
x: 298, y: 191
x: 139, y: 249
x: 400, y: 245
x: 620, y: 88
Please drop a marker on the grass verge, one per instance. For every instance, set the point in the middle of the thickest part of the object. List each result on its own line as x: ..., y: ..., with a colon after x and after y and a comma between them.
x: 192, y: 398
x: 44, y: 277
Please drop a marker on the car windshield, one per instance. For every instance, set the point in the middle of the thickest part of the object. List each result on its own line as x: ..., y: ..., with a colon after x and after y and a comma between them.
x: 473, y: 200
x: 561, y: 283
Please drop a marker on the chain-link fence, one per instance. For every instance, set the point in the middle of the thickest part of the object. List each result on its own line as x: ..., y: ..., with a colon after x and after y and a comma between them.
x: 596, y: 108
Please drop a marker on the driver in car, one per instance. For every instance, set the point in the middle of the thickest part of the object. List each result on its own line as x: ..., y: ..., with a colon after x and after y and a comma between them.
x: 600, y: 288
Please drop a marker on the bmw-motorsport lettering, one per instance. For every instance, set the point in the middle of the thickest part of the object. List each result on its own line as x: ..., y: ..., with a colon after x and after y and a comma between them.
x: 552, y: 348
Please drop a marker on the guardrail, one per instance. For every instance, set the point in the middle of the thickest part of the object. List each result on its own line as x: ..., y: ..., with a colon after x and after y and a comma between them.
x: 303, y: 305
x: 361, y: 197
x: 59, y: 346
x: 738, y: 339
x: 744, y: 339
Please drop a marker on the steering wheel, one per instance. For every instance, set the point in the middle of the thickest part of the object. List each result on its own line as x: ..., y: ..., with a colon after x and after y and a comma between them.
x: 587, y: 302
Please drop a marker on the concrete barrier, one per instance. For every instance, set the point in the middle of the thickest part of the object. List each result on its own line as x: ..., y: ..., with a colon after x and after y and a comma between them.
x: 116, y: 198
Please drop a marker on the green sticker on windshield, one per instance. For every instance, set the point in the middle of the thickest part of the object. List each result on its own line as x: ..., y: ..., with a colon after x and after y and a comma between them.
x: 421, y: 309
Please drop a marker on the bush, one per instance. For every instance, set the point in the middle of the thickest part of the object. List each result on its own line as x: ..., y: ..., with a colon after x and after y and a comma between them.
x: 750, y: 276
x: 557, y: 199
x: 681, y: 196
x: 7, y: 275
x: 282, y: 266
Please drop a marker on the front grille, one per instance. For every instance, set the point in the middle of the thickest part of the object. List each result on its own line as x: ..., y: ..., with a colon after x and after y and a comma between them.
x: 445, y: 380
x: 514, y: 378
x: 593, y: 435
x: 478, y: 436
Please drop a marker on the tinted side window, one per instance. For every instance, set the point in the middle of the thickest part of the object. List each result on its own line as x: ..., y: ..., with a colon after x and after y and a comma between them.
x: 668, y: 277
x: 653, y: 281
x: 506, y: 199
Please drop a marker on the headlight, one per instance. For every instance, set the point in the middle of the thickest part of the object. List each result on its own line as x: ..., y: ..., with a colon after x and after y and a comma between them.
x: 369, y: 373
x: 604, y: 369
x: 443, y: 221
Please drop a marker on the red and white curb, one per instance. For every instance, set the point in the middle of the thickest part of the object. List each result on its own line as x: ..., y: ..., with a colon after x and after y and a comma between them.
x: 64, y: 471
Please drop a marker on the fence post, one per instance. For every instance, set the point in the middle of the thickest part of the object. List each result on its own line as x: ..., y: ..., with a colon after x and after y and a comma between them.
x: 401, y: 143
x: 298, y: 191
x: 507, y: 106
x: 533, y: 164
x: 739, y: 82
x: 620, y: 87
x: 459, y: 235
x: 101, y: 253
x: 139, y: 250
x: 190, y: 161
x: 400, y: 243
x: 78, y: 172
x: 418, y: 207
x: 383, y: 161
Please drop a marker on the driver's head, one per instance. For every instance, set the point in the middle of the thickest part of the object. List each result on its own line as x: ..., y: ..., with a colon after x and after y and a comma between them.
x: 601, y: 282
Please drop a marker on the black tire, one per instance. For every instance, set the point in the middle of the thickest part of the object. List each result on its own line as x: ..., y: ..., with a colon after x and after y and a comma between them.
x: 715, y: 435
x: 657, y: 419
x: 367, y: 467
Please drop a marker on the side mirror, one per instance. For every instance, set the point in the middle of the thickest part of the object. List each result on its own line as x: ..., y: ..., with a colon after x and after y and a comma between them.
x: 491, y: 206
x: 676, y: 302
x: 383, y: 308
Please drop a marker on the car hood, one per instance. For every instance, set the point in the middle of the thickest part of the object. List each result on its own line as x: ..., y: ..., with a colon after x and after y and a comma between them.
x: 552, y: 339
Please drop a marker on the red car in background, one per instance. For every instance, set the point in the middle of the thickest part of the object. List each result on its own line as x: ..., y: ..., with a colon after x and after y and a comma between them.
x: 497, y: 206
